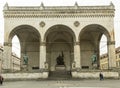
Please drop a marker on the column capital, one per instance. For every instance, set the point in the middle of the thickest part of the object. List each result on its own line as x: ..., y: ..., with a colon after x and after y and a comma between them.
x: 77, y: 43
x: 7, y: 44
x: 42, y: 43
x: 110, y: 42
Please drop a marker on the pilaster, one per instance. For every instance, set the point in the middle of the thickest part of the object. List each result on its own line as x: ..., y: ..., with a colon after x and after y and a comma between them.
x: 42, y: 56
x: 77, y: 59
x: 111, y: 54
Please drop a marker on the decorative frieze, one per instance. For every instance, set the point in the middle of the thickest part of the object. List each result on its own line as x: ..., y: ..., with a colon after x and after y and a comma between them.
x: 56, y: 15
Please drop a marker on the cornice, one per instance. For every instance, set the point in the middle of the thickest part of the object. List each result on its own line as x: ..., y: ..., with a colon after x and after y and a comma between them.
x: 56, y: 8
x: 59, y: 11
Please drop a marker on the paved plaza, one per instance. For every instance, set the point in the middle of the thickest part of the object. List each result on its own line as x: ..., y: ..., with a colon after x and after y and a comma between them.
x: 62, y: 84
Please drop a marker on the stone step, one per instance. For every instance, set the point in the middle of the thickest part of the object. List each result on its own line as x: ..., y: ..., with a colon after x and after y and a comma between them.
x: 62, y: 75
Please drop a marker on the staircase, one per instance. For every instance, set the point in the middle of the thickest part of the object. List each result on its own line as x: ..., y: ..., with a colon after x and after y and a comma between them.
x: 60, y: 74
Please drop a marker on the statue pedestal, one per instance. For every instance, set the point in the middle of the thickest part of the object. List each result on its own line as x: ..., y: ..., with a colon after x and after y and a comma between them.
x: 24, y: 68
x: 94, y: 66
x: 60, y: 67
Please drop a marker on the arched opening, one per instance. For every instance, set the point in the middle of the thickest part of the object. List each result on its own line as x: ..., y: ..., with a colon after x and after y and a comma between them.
x: 16, y: 46
x: 103, y: 53
x: 59, y: 45
x: 29, y: 39
x: 103, y: 45
x: 15, y: 65
x: 89, y: 38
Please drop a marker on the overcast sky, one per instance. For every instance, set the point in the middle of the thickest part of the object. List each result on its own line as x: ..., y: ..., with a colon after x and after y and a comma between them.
x: 63, y: 3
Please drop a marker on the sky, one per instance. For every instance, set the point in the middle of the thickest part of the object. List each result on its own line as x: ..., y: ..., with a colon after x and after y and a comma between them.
x: 62, y: 3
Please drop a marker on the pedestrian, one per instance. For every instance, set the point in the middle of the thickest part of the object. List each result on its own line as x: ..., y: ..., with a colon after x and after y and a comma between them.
x: 1, y: 80
x: 101, y: 76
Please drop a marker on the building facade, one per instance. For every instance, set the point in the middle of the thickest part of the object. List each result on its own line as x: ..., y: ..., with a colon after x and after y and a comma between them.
x: 118, y: 57
x: 14, y: 64
x: 1, y: 56
x: 48, y: 33
x: 104, y: 59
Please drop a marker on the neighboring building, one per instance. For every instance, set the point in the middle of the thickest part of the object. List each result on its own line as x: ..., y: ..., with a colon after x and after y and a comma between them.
x: 1, y: 57
x: 51, y: 36
x: 118, y: 57
x: 104, y: 59
x: 15, y: 61
x: 15, y: 65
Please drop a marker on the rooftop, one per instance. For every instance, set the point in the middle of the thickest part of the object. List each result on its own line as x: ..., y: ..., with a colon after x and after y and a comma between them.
x: 42, y: 7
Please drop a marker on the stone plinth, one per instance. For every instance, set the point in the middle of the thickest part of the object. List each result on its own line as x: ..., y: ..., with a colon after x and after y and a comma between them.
x: 60, y: 67
x: 25, y: 76
x: 88, y: 75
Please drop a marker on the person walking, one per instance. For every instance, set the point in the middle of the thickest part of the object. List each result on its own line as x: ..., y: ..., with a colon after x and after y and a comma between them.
x: 101, y: 76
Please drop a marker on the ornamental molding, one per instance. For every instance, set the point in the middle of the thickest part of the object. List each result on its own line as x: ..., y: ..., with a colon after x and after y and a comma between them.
x: 42, y: 24
x: 76, y: 23
x: 56, y: 15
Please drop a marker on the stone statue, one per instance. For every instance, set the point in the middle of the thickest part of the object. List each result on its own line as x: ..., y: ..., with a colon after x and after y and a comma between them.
x: 25, y: 59
x: 94, y: 59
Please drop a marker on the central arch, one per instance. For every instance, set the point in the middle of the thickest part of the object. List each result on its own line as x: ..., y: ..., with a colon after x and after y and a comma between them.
x: 59, y: 42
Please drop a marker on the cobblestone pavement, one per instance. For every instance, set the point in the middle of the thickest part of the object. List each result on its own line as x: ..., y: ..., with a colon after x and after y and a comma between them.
x: 62, y: 84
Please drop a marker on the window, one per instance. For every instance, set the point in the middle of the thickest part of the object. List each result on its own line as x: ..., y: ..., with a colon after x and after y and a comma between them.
x: 119, y: 63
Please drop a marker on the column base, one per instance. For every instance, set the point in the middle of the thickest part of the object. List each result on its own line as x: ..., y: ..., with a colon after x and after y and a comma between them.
x: 76, y: 69
x: 43, y: 70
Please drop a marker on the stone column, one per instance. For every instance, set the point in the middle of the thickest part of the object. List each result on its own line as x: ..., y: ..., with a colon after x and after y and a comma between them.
x: 111, y: 54
x: 42, y: 60
x: 77, y: 58
x: 7, y: 57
